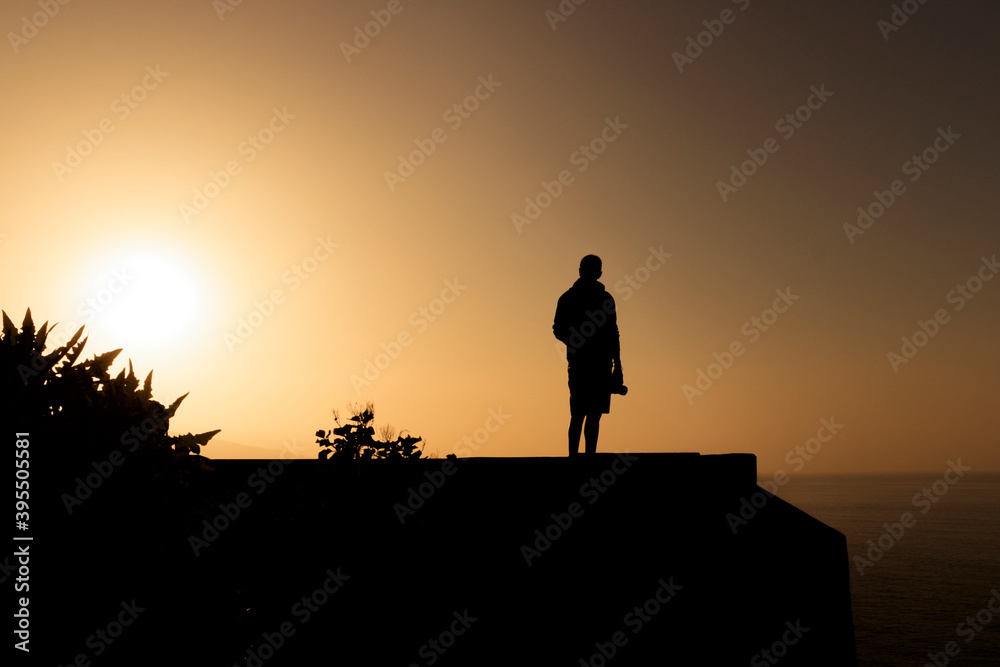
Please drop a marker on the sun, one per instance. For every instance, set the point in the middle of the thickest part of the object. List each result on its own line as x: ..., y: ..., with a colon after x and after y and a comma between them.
x: 150, y: 300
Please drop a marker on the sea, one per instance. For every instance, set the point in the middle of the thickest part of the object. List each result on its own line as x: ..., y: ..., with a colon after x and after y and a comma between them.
x: 924, y: 557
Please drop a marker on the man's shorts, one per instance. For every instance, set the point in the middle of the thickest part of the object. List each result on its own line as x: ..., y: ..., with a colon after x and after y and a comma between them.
x: 590, y: 387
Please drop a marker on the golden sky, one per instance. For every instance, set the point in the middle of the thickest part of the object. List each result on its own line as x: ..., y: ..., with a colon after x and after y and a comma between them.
x: 283, y: 213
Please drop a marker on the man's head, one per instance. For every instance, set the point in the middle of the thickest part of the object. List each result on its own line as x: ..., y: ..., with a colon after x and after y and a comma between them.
x: 590, y: 267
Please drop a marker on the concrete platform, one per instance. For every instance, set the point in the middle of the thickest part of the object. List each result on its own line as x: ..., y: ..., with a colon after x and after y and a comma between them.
x: 617, y: 559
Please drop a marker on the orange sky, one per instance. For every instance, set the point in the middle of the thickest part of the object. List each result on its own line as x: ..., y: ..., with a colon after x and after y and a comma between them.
x: 258, y: 203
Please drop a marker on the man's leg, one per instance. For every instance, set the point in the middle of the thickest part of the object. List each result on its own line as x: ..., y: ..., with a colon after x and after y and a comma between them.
x: 590, y: 432
x: 575, y: 426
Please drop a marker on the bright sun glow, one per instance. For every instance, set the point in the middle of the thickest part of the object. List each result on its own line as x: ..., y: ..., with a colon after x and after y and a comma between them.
x: 150, y: 301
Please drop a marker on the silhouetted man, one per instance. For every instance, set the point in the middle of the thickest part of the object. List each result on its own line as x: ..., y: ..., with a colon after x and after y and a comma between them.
x: 586, y: 322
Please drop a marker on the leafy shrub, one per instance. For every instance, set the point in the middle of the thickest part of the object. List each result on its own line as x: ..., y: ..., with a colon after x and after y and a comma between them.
x: 355, y: 440
x: 83, y: 413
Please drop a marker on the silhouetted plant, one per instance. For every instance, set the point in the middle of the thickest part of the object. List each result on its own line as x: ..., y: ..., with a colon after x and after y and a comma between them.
x: 355, y: 440
x: 84, y: 410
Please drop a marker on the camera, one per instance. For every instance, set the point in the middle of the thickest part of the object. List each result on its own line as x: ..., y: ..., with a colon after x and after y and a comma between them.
x: 619, y: 389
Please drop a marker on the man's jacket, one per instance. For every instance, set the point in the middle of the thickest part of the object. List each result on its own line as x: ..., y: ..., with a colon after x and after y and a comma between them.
x: 587, y: 323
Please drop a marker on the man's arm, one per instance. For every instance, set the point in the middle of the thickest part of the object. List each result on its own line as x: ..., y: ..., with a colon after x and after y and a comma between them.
x: 614, y: 342
x: 559, y: 325
x: 613, y: 339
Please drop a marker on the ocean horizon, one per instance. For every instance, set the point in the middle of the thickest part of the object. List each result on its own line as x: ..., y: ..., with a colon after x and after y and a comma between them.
x: 924, y: 559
